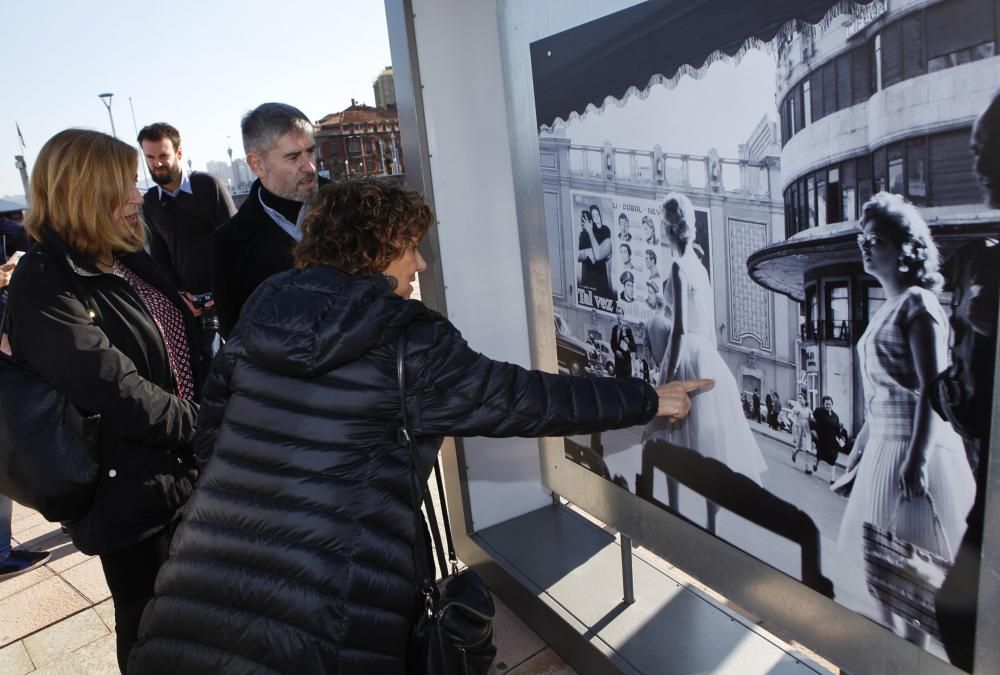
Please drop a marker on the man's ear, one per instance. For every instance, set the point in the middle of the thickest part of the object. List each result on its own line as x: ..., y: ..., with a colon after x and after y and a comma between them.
x: 180, y: 152
x: 256, y: 163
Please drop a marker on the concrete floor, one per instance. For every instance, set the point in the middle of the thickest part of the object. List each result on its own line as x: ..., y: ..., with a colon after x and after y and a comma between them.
x: 59, y: 620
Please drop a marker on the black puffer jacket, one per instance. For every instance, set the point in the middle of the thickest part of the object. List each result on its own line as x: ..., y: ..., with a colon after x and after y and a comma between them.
x: 118, y: 368
x: 295, y: 553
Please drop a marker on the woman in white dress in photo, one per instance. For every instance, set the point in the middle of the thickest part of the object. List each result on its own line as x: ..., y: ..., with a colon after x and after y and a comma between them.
x: 908, y: 457
x: 715, y: 426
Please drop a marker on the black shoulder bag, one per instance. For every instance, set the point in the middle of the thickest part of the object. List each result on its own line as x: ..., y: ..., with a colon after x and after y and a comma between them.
x: 47, y: 446
x: 453, y: 632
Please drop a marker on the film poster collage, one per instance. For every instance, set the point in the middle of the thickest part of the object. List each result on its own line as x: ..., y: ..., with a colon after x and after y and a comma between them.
x: 623, y: 258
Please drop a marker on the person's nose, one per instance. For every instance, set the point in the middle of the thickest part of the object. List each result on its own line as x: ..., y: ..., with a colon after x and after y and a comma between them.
x: 136, y: 196
x: 421, y: 263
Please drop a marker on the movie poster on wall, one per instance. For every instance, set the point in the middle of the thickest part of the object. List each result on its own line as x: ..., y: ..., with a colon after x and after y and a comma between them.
x: 740, y: 253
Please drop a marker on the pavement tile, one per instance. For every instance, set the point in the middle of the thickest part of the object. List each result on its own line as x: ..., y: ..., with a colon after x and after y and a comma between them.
x: 88, y: 578
x: 64, y: 554
x: 24, y: 520
x: 37, y: 536
x: 14, y: 659
x: 60, y: 639
x: 106, y: 610
x: 19, y: 512
x: 36, y: 607
x: 547, y: 662
x: 515, y: 641
x: 99, y: 657
x: 12, y: 585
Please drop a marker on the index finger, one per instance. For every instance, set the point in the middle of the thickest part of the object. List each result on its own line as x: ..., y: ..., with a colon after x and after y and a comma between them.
x: 696, y: 385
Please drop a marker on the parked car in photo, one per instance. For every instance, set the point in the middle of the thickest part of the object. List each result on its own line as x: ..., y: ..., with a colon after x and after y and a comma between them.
x: 785, y: 418
x: 605, y: 356
x: 572, y: 353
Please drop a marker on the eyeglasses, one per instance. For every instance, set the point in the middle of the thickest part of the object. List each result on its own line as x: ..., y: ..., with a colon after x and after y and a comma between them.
x: 868, y: 241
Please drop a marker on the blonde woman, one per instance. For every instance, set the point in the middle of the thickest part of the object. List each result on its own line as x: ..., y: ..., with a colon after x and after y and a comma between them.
x: 93, y: 315
x: 913, y: 474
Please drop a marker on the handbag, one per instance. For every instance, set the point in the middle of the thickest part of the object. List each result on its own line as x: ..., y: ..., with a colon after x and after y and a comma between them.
x: 904, y: 576
x: 47, y: 446
x: 453, y: 631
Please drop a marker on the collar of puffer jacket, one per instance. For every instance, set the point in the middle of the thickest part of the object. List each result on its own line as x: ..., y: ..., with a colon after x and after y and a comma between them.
x: 307, y: 322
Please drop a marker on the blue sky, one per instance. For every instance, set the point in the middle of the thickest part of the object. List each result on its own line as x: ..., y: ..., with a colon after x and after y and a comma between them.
x: 198, y: 65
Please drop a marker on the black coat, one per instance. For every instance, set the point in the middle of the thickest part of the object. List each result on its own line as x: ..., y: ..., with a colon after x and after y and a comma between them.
x: 182, y: 229
x: 295, y: 554
x: 119, y: 369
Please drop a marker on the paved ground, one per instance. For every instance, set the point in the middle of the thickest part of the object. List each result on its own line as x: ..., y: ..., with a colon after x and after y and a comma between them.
x: 59, y: 620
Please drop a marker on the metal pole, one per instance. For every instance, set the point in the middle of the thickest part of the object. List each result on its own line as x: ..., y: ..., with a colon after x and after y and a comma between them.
x: 22, y: 167
x: 106, y: 100
x: 628, y: 590
x: 145, y: 169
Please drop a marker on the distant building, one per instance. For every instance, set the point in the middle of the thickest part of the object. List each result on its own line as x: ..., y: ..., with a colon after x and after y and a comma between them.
x: 359, y: 140
x: 222, y: 172
x: 243, y: 175
x: 385, y: 91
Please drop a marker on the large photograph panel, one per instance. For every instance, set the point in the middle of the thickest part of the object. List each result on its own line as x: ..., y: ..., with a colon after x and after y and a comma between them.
x: 716, y: 226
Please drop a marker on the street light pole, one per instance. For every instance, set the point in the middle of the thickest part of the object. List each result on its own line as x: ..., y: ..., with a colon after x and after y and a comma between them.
x: 106, y: 100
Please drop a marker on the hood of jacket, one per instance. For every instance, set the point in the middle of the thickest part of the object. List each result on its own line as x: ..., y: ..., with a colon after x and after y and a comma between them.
x: 307, y: 322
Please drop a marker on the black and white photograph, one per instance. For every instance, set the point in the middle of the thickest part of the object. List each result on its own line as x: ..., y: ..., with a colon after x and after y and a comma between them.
x: 812, y: 223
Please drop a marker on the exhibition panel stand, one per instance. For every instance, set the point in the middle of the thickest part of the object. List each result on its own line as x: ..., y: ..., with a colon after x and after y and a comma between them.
x: 476, y: 83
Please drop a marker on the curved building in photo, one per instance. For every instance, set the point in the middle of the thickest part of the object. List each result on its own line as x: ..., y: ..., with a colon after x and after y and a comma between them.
x: 882, y: 101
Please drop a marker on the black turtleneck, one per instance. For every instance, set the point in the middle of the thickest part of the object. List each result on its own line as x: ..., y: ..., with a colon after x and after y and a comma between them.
x: 286, y: 207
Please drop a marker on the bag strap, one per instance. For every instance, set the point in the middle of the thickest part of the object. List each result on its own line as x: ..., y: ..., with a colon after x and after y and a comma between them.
x: 939, y: 532
x: 428, y: 504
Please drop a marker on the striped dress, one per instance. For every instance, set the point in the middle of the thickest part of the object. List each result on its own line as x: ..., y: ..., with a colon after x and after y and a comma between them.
x: 891, y: 394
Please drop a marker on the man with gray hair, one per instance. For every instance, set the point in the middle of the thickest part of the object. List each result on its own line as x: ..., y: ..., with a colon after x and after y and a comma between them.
x: 257, y: 242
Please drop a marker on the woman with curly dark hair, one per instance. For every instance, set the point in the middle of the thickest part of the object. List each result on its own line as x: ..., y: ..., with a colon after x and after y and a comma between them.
x: 297, y: 552
x: 913, y: 475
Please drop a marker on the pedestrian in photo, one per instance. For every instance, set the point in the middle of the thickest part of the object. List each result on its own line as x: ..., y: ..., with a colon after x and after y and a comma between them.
x: 692, y: 353
x: 93, y: 315
x: 623, y: 345
x: 826, y: 428
x: 801, y: 432
x: 912, y: 473
x: 299, y: 550
x: 756, y: 405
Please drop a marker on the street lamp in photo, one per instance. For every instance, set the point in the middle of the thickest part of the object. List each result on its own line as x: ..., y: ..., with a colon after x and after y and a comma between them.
x: 106, y: 100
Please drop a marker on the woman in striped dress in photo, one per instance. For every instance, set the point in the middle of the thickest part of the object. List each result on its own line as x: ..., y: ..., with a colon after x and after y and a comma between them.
x: 909, y: 457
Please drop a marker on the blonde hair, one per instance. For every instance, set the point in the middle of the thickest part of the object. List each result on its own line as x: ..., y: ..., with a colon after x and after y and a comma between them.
x: 679, y: 213
x: 81, y: 178
x: 900, y: 221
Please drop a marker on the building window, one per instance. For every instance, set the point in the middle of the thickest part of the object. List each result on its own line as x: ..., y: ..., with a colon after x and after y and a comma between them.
x: 916, y: 170
x: 837, y: 312
x: 876, y: 64
x: 894, y: 155
x: 848, y: 191
x: 958, y: 31
x: 806, y: 103
x: 811, y: 200
x: 914, y: 60
x: 874, y: 299
x: 354, y: 146
x: 821, y: 198
x: 951, y: 177
x: 861, y: 76
x: 810, y: 328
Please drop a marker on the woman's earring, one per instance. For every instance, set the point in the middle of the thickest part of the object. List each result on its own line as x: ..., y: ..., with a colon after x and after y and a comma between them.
x: 903, y: 264
x: 392, y: 281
